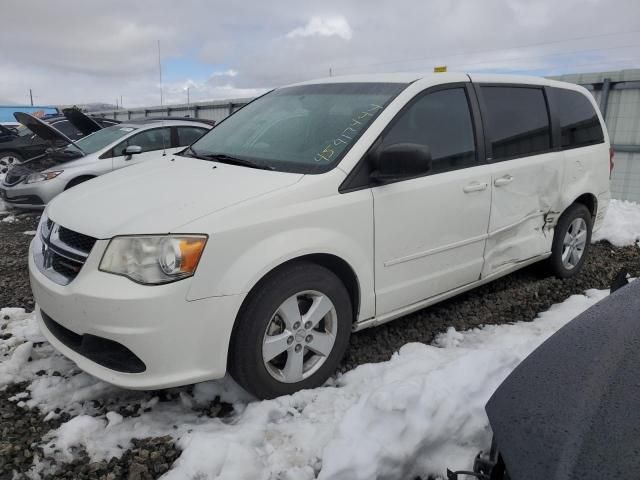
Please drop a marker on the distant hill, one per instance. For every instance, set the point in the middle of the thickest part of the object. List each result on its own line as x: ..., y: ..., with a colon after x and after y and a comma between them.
x: 90, y: 107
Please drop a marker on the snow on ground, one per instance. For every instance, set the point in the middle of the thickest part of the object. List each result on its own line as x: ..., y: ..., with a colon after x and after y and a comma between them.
x: 415, y: 414
x: 418, y: 413
x: 621, y: 225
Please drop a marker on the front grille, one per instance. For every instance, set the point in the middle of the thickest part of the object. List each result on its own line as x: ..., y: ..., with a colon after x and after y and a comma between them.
x: 61, y: 253
x: 103, y: 351
x: 79, y: 241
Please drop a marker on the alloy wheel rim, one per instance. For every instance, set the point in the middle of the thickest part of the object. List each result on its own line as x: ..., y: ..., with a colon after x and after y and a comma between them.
x: 6, y: 162
x: 574, y: 243
x: 300, y: 336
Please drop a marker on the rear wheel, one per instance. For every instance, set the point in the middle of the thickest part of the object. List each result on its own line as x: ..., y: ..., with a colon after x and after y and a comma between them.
x: 571, y: 241
x: 8, y: 160
x: 292, y: 332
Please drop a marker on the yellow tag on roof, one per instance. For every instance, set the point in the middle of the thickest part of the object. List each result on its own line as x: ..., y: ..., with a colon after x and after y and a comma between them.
x: 440, y: 69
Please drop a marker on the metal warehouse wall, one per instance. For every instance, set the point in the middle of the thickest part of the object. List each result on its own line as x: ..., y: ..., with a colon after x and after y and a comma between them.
x: 208, y: 110
x: 617, y: 93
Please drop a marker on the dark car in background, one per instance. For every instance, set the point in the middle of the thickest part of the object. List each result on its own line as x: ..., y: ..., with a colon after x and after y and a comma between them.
x: 18, y: 144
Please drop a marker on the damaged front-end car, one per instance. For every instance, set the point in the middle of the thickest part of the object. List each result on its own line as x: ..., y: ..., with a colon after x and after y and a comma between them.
x: 569, y: 410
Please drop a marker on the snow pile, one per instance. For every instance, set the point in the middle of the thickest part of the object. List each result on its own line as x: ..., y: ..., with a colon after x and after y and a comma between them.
x: 9, y: 219
x: 621, y: 225
x: 416, y: 414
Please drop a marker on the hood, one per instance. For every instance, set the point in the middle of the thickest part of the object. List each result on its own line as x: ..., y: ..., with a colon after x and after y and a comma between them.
x: 7, y: 132
x: 82, y: 122
x: 41, y: 129
x: 159, y: 195
x: 569, y: 410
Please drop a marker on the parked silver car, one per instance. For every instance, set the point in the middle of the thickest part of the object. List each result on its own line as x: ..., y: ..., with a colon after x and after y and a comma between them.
x: 34, y: 183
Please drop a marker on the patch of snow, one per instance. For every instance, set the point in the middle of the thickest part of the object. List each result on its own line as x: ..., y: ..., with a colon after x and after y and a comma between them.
x: 621, y: 225
x: 416, y: 414
x: 30, y: 232
x: 9, y: 219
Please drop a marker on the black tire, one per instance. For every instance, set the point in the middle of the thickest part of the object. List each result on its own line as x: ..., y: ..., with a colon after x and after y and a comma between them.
x: 77, y: 181
x: 246, y: 364
x: 555, y: 263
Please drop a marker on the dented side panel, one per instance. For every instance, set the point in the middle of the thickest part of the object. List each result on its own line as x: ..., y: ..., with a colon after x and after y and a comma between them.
x: 523, y: 210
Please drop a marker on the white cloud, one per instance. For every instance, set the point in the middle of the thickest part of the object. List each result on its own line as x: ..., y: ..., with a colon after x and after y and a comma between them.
x: 324, y: 27
x: 227, y: 73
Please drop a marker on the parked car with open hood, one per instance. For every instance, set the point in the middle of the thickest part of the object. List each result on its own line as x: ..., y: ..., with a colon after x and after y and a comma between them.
x: 18, y: 144
x: 35, y: 182
x: 315, y: 210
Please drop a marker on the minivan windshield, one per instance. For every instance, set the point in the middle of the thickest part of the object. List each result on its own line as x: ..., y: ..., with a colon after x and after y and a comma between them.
x: 100, y: 139
x: 303, y: 129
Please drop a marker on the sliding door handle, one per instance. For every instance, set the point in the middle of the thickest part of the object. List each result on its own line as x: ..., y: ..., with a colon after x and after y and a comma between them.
x: 502, y: 181
x: 475, y: 187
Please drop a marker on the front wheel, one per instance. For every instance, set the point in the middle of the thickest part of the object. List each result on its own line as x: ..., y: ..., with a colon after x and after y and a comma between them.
x: 8, y: 160
x: 571, y: 241
x: 292, y: 332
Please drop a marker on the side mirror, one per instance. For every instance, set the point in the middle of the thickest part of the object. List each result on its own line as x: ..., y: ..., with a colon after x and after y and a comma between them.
x: 131, y: 150
x: 400, y: 160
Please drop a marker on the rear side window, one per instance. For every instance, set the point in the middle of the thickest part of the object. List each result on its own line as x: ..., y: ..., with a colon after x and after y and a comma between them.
x: 517, y: 121
x: 579, y: 123
x: 148, y: 140
x: 188, y: 135
x: 440, y: 120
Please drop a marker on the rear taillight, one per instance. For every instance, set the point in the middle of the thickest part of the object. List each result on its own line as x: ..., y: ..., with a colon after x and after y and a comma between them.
x: 611, y: 155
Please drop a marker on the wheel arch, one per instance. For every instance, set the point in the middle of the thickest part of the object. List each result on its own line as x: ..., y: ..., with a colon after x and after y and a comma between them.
x: 590, y: 201
x: 340, y: 267
x: 77, y: 180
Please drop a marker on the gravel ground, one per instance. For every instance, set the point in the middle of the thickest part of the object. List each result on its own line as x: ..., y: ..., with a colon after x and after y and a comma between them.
x: 517, y: 297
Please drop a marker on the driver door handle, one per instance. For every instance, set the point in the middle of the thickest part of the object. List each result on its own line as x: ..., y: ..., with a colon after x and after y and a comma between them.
x: 475, y: 187
x: 502, y: 181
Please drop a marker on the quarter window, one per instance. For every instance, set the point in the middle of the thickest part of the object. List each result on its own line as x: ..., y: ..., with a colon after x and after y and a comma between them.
x: 442, y: 121
x: 579, y: 123
x: 188, y: 135
x: 517, y: 121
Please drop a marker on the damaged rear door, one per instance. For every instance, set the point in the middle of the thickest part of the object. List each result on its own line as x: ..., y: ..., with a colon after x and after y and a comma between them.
x: 526, y: 173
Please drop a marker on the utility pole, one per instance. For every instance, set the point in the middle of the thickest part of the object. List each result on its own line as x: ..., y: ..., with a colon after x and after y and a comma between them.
x: 120, y: 101
x: 31, y: 96
x: 188, y: 102
x: 160, y: 72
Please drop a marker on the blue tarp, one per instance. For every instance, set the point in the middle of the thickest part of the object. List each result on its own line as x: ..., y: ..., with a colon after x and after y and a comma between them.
x: 6, y: 111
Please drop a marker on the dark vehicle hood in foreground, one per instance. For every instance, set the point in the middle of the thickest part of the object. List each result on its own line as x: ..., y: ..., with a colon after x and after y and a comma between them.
x: 42, y: 129
x: 571, y: 410
x: 82, y: 122
x: 7, y: 132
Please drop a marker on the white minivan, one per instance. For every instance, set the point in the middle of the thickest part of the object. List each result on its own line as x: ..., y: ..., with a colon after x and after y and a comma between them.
x: 318, y: 209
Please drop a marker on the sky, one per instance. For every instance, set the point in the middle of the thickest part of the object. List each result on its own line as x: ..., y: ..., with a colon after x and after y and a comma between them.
x: 76, y: 52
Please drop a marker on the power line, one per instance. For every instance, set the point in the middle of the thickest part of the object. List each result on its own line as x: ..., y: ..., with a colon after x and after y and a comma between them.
x: 488, y: 60
x: 493, y: 50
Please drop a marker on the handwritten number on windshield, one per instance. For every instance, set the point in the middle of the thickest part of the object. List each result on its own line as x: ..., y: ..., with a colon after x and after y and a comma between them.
x: 328, y: 151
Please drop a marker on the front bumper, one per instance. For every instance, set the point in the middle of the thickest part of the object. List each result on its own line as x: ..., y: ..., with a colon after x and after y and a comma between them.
x: 178, y: 341
x: 32, y: 195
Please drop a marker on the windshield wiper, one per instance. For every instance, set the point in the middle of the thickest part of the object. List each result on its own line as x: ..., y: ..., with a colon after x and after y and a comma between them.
x: 230, y: 159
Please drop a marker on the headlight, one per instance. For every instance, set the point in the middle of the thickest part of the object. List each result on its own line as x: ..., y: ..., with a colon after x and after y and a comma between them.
x: 42, y: 176
x: 153, y: 260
